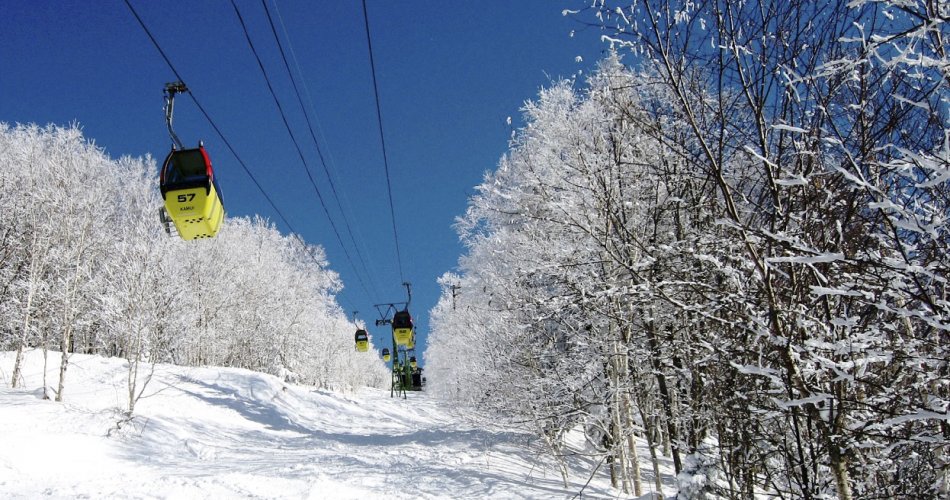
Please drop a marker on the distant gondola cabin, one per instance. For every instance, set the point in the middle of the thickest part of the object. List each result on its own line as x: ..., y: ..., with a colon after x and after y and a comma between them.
x: 192, y: 198
x: 362, y: 340
x: 412, y: 362
x: 402, y: 328
x: 386, y: 355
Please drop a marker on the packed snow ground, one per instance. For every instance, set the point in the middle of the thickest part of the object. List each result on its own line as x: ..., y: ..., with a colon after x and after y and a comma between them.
x: 230, y: 433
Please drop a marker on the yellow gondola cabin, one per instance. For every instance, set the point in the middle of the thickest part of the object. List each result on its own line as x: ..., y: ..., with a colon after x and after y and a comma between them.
x: 362, y: 340
x: 192, y: 198
x: 402, y: 328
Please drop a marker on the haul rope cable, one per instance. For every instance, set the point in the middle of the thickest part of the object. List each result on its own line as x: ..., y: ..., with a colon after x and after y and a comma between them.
x: 316, y: 144
x: 360, y: 240
x: 382, y: 139
x: 293, y: 138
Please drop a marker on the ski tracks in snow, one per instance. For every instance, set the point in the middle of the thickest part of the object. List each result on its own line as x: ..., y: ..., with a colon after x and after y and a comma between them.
x: 230, y: 433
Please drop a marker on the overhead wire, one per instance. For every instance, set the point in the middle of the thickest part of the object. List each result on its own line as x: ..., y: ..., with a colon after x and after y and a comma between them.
x: 224, y: 139
x: 382, y: 139
x: 360, y: 239
x: 316, y: 144
x: 293, y: 138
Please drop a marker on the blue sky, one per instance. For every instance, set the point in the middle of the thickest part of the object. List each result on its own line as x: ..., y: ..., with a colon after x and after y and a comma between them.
x: 450, y: 73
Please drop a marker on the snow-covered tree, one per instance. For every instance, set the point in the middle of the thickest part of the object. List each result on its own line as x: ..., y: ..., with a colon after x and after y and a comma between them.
x: 735, y: 249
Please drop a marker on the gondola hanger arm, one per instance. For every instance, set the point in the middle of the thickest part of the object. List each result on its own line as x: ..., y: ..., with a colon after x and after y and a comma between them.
x: 170, y: 90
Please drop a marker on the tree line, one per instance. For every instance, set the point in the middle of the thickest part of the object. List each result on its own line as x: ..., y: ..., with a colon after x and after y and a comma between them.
x: 729, y: 241
x: 86, y: 267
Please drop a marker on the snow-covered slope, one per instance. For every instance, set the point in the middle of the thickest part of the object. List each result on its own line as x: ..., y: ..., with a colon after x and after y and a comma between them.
x: 229, y: 433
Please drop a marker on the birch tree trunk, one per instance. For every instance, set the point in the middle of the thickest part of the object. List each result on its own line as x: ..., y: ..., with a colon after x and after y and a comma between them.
x: 37, y: 267
x: 22, y: 340
x: 68, y: 305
